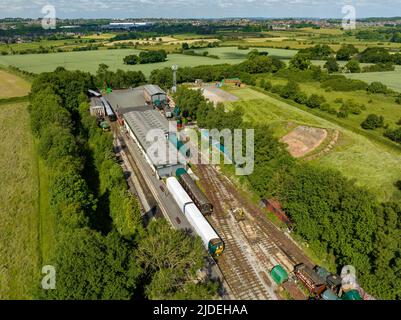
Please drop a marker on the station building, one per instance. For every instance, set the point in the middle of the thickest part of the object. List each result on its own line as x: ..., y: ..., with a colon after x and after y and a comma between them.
x: 140, y: 119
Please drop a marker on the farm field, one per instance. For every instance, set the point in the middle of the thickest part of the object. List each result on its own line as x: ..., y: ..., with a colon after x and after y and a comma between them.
x: 20, y: 256
x: 370, y: 163
x: 90, y: 60
x: 12, y: 86
x: 392, y: 78
x: 234, y: 53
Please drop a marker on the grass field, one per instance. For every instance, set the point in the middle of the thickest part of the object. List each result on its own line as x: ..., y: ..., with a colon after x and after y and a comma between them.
x: 377, y: 104
x: 392, y: 78
x: 12, y: 86
x: 90, y: 60
x: 372, y: 164
x: 19, y: 209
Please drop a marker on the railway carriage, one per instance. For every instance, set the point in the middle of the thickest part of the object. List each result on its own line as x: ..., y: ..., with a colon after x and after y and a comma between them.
x: 108, y: 110
x: 194, y: 192
x: 211, y: 240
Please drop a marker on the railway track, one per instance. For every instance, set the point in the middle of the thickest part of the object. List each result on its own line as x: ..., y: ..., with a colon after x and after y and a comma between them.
x: 123, y: 150
x: 253, y: 246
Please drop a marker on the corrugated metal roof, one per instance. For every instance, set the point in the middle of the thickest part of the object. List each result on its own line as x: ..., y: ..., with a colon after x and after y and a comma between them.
x: 127, y: 100
x: 153, y: 89
x: 141, y: 123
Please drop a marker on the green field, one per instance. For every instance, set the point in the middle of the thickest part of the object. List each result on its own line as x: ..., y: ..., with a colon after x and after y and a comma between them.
x: 233, y: 53
x: 90, y: 60
x: 372, y: 164
x: 20, y: 256
x: 392, y: 78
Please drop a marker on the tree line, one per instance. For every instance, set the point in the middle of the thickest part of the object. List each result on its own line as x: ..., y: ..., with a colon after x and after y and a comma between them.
x: 146, y: 57
x: 102, y: 249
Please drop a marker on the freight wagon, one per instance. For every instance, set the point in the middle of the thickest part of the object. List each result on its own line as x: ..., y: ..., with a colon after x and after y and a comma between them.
x: 310, y: 279
x: 211, y: 240
x: 196, y: 194
x: 274, y: 206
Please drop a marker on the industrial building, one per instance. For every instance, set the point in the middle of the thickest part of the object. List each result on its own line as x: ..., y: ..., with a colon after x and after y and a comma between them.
x: 155, y: 95
x: 126, y: 25
x: 139, y: 119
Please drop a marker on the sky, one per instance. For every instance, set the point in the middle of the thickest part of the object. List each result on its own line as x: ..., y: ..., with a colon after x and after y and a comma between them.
x: 199, y: 8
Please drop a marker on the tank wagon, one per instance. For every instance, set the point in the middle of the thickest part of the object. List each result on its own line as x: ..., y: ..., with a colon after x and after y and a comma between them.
x: 196, y: 194
x: 108, y: 109
x: 211, y: 240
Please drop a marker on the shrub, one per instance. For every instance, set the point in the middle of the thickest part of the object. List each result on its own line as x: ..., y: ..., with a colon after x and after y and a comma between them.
x: 300, y: 62
x: 268, y: 86
x: 394, y: 135
x: 277, y: 88
x: 290, y: 90
x: 331, y: 65
x: 301, y: 98
x: 377, y: 87
x: 342, y: 83
x: 342, y: 114
x: 131, y: 59
x: 373, y: 122
x: 353, y: 66
x: 379, y: 67
x: 315, y: 101
x: 350, y: 106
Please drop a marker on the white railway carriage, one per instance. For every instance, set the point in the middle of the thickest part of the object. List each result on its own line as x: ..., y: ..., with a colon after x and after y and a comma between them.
x: 210, y: 238
x: 108, y: 109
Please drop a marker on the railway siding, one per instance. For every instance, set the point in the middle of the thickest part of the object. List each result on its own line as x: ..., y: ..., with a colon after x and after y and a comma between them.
x: 253, y: 246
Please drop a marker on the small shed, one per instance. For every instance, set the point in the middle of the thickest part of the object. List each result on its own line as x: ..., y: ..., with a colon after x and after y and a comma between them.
x: 154, y: 94
x: 279, y: 275
x: 97, y: 108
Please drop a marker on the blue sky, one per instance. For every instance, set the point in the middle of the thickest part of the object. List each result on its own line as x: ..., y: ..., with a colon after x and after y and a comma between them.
x: 198, y: 8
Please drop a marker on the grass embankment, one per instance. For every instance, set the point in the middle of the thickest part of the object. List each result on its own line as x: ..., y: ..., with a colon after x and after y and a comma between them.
x: 12, y: 86
x: 372, y: 163
x: 26, y: 232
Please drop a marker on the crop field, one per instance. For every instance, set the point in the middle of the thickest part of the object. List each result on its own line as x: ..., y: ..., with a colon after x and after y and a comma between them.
x: 233, y: 53
x: 19, y: 207
x: 37, y: 44
x: 370, y: 163
x: 391, y: 78
x: 89, y: 61
x: 12, y: 86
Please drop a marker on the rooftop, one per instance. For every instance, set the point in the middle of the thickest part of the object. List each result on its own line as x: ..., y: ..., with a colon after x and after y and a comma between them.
x: 141, y: 123
x: 153, y: 89
x: 128, y: 100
